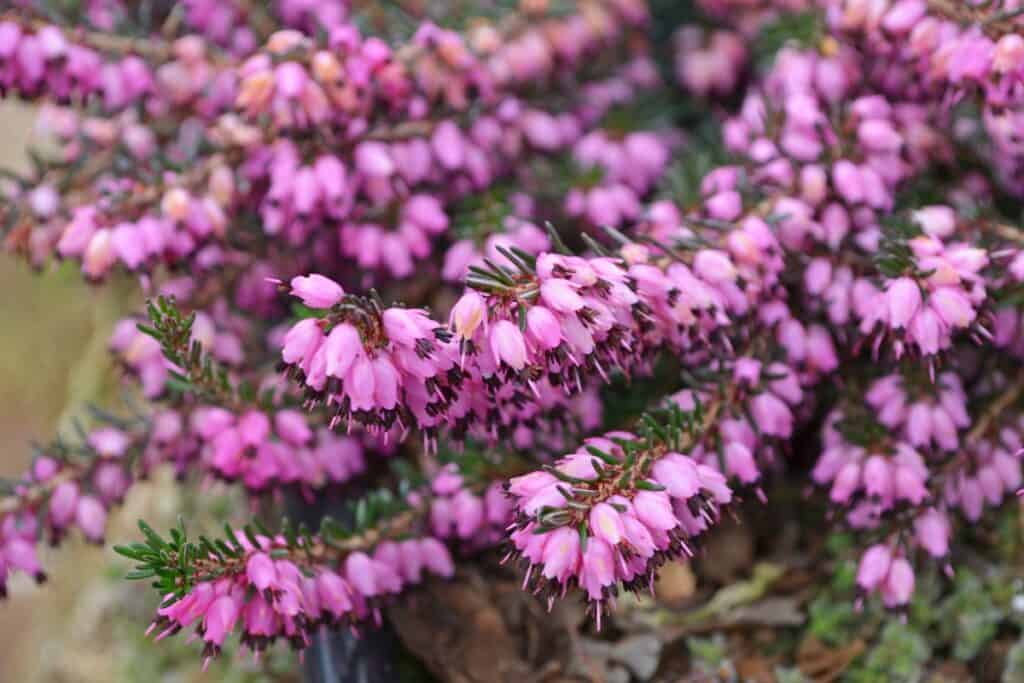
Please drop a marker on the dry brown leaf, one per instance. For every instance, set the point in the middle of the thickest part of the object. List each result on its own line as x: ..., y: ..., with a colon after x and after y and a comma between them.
x: 824, y: 664
x: 772, y: 611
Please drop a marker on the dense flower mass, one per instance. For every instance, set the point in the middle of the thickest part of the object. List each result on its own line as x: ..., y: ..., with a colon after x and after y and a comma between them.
x: 434, y: 260
x: 610, y: 514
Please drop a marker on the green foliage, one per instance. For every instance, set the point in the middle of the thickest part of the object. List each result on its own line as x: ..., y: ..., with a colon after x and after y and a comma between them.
x: 832, y: 618
x: 498, y: 279
x: 1014, y: 669
x: 624, y: 399
x: 1010, y: 296
x: 831, y: 621
x: 900, y: 655
x: 483, y: 214
x: 670, y: 425
x: 652, y: 111
x: 704, y: 152
x: 969, y: 618
x: 173, y: 330
x: 170, y: 562
x: 710, y: 656
x: 860, y: 426
x: 139, y: 662
x: 789, y: 675
x: 894, y: 257
x: 804, y: 29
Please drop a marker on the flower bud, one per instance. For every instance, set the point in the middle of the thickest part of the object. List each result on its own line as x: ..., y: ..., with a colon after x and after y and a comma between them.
x: 91, y: 518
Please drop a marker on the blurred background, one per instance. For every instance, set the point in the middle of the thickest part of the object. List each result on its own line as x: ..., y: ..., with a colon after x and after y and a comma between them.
x: 87, y: 623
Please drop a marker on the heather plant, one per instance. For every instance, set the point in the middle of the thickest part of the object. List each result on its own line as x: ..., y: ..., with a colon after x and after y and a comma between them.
x: 568, y: 281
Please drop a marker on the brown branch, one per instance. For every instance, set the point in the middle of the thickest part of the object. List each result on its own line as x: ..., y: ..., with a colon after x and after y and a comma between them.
x: 996, y: 409
x: 36, y: 493
x: 1007, y: 232
x: 152, y: 47
x: 994, y: 23
x: 981, y: 427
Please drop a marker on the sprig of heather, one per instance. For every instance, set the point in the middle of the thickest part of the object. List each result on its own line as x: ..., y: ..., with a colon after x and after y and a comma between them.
x: 68, y: 486
x: 905, y: 469
x: 284, y: 586
x: 936, y: 293
x: 233, y: 432
x: 257, y: 437
x: 609, y: 514
x: 554, y: 320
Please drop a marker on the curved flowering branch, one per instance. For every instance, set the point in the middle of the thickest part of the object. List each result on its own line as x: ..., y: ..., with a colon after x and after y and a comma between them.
x: 68, y: 486
x: 546, y: 320
x: 615, y: 510
x: 75, y: 486
x: 286, y: 586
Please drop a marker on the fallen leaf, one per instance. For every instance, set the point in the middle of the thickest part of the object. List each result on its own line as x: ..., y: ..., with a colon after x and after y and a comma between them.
x: 774, y: 611
x: 824, y: 664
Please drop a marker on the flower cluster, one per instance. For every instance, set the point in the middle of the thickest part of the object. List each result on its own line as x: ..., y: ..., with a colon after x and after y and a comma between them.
x: 555, y: 320
x: 457, y: 511
x: 709, y: 62
x: 379, y: 367
x: 627, y: 169
x: 941, y: 296
x: 931, y: 418
x: 909, y: 465
x: 264, y: 454
x: 611, y: 513
x: 268, y: 588
x: 66, y: 488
